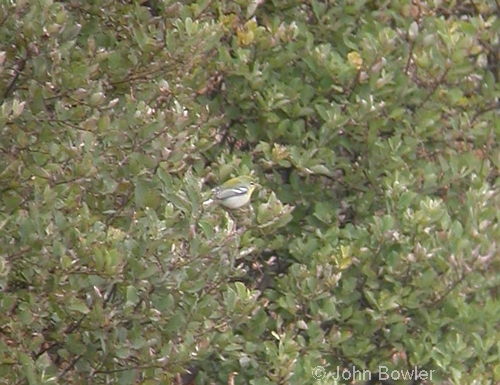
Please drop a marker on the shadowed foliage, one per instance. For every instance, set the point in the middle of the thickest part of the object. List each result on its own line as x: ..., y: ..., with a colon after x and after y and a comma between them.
x: 371, y: 241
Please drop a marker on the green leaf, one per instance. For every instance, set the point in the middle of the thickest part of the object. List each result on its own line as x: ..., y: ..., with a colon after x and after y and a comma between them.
x: 28, y: 368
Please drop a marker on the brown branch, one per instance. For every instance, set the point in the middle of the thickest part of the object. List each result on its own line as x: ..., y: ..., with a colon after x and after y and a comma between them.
x: 10, y: 89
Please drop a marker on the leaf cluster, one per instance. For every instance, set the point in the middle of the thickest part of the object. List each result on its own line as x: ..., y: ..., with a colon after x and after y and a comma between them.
x: 373, y: 237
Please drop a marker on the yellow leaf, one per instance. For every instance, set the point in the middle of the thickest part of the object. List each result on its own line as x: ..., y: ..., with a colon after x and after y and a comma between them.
x: 355, y: 59
x: 245, y: 37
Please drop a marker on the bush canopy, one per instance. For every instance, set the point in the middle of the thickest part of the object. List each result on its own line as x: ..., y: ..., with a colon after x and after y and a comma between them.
x: 370, y: 245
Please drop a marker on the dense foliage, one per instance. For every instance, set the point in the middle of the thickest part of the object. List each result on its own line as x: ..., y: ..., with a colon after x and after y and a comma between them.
x: 371, y: 242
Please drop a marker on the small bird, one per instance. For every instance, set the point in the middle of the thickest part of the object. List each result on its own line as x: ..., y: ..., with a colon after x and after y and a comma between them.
x: 236, y: 192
